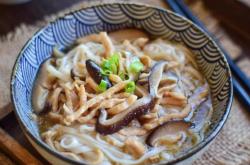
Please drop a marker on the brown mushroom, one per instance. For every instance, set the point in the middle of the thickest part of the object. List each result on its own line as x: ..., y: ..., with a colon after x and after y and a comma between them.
x: 155, y: 77
x: 168, y: 128
x: 39, y: 100
x: 109, y: 126
x: 199, y: 96
x: 201, y: 114
x: 95, y: 72
x: 40, y: 92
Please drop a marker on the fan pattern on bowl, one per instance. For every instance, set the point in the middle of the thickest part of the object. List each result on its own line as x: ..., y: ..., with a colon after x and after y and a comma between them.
x: 110, y: 17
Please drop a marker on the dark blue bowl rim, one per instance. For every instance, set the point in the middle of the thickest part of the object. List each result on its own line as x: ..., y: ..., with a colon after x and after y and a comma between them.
x: 188, y: 154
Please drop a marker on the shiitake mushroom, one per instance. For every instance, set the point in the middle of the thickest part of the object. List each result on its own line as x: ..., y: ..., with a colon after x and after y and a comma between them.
x: 155, y: 77
x: 109, y: 126
x: 94, y: 71
x: 168, y: 128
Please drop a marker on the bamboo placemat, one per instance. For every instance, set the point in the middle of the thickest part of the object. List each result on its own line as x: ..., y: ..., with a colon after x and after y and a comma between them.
x: 232, y: 145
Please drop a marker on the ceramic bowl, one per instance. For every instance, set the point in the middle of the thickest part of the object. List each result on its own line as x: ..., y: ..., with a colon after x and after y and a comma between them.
x: 111, y: 17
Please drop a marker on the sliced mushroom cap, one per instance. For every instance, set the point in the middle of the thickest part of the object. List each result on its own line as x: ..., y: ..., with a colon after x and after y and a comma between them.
x: 196, y: 99
x: 40, y: 91
x: 155, y: 77
x: 201, y: 114
x: 45, y: 79
x: 39, y: 100
x: 109, y: 126
x: 95, y: 72
x: 167, y: 129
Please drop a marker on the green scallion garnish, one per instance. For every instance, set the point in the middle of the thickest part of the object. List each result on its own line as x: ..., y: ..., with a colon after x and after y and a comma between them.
x: 102, y: 86
x: 130, y: 87
x: 106, y: 67
x: 110, y: 65
x: 122, y: 75
x: 114, y: 59
x: 136, y: 66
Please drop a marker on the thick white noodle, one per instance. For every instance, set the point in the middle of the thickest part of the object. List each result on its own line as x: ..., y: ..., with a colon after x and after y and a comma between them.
x: 71, y: 143
x: 77, y: 103
x: 112, y: 153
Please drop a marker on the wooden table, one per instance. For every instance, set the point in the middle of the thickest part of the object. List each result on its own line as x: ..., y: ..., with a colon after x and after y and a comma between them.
x: 12, y: 16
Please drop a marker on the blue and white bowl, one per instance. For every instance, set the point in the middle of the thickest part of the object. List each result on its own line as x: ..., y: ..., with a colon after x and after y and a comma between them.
x: 110, y: 17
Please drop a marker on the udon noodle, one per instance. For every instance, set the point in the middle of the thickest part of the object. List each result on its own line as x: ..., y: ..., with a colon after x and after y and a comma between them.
x: 128, y: 101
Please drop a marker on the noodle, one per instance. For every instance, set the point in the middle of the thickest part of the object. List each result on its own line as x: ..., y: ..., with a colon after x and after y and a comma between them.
x: 101, y: 80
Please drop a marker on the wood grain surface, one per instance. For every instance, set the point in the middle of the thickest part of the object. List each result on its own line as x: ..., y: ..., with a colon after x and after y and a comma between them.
x: 18, y: 153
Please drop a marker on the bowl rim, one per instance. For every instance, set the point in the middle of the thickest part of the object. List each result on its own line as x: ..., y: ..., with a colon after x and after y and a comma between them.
x: 189, y: 152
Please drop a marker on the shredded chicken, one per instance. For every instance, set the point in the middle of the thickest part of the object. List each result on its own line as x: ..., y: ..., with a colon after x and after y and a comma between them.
x: 133, y: 87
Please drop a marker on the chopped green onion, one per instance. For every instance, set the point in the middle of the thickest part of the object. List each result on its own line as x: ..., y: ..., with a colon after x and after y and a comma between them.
x: 106, y: 67
x: 122, y: 75
x: 114, y: 68
x: 114, y: 59
x: 136, y: 66
x: 130, y: 87
x: 102, y: 86
x: 110, y: 66
x: 106, y: 72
